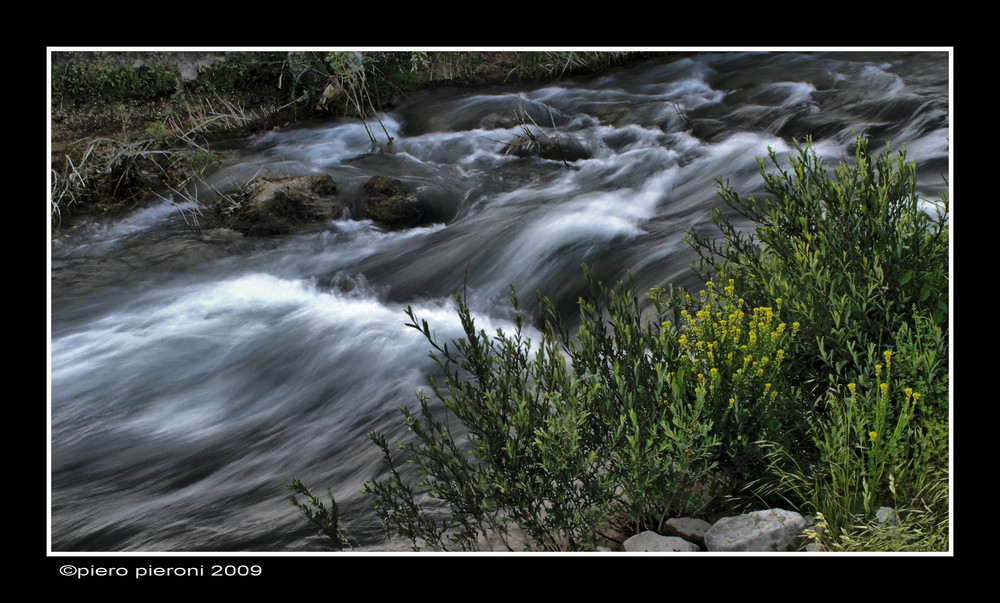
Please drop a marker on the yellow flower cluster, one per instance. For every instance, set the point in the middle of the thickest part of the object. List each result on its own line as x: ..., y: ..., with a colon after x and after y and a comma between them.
x: 911, y: 396
x: 732, y: 352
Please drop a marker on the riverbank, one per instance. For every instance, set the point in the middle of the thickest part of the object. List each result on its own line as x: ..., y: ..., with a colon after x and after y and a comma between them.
x: 125, y: 124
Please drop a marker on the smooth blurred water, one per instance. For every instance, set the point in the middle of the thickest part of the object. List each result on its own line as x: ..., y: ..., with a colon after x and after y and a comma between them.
x: 195, y: 373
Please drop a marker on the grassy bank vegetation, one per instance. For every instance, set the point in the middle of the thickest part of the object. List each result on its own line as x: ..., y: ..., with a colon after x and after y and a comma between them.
x: 810, y: 372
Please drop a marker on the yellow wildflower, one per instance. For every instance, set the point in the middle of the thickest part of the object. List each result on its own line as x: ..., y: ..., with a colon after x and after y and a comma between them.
x: 853, y: 387
x: 872, y: 435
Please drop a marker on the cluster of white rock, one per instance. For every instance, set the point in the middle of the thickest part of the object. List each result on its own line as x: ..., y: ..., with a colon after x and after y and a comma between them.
x: 774, y: 530
x: 760, y: 531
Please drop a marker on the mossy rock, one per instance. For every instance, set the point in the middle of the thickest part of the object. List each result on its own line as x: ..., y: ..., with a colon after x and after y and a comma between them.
x: 279, y: 206
x: 392, y: 204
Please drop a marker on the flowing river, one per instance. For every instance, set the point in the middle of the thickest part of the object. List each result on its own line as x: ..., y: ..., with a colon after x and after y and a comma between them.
x: 196, y: 373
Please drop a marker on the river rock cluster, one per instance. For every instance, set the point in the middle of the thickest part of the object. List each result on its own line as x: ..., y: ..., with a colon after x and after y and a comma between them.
x: 772, y: 530
x: 273, y: 206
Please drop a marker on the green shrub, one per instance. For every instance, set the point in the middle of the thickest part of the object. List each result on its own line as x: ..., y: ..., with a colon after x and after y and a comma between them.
x: 558, y: 437
x: 630, y: 421
x: 325, y: 519
x: 862, y: 266
x: 737, y: 359
x: 852, y: 252
x: 863, y: 437
x: 114, y: 83
x: 244, y: 71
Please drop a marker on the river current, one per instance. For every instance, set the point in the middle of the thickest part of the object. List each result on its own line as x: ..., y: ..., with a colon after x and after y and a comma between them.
x: 194, y: 374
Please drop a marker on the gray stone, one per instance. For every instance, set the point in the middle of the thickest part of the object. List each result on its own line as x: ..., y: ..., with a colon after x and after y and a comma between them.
x: 887, y: 516
x: 652, y: 542
x: 689, y: 528
x: 760, y: 531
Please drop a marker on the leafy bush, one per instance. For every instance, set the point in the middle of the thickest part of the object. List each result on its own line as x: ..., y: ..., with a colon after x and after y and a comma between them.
x: 862, y: 437
x: 325, y: 519
x: 561, y: 436
x: 630, y: 421
x: 852, y: 253
x: 864, y: 269
x: 737, y: 360
x: 114, y: 83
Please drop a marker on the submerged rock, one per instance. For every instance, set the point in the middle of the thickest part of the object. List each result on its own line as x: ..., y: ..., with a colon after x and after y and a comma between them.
x: 561, y: 148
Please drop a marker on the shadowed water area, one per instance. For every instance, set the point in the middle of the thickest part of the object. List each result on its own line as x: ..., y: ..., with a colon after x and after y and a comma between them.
x: 194, y: 373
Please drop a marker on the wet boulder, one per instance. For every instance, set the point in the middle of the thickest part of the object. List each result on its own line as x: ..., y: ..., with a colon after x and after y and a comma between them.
x: 270, y: 206
x: 390, y: 203
x: 558, y: 148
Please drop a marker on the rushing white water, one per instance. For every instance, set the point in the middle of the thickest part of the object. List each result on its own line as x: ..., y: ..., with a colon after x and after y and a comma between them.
x: 194, y: 374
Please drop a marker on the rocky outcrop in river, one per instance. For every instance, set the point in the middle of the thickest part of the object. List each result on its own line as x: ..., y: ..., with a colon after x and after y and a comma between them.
x: 272, y: 206
x: 392, y: 204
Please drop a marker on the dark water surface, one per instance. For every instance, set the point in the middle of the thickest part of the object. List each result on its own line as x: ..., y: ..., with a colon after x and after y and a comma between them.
x: 194, y: 374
